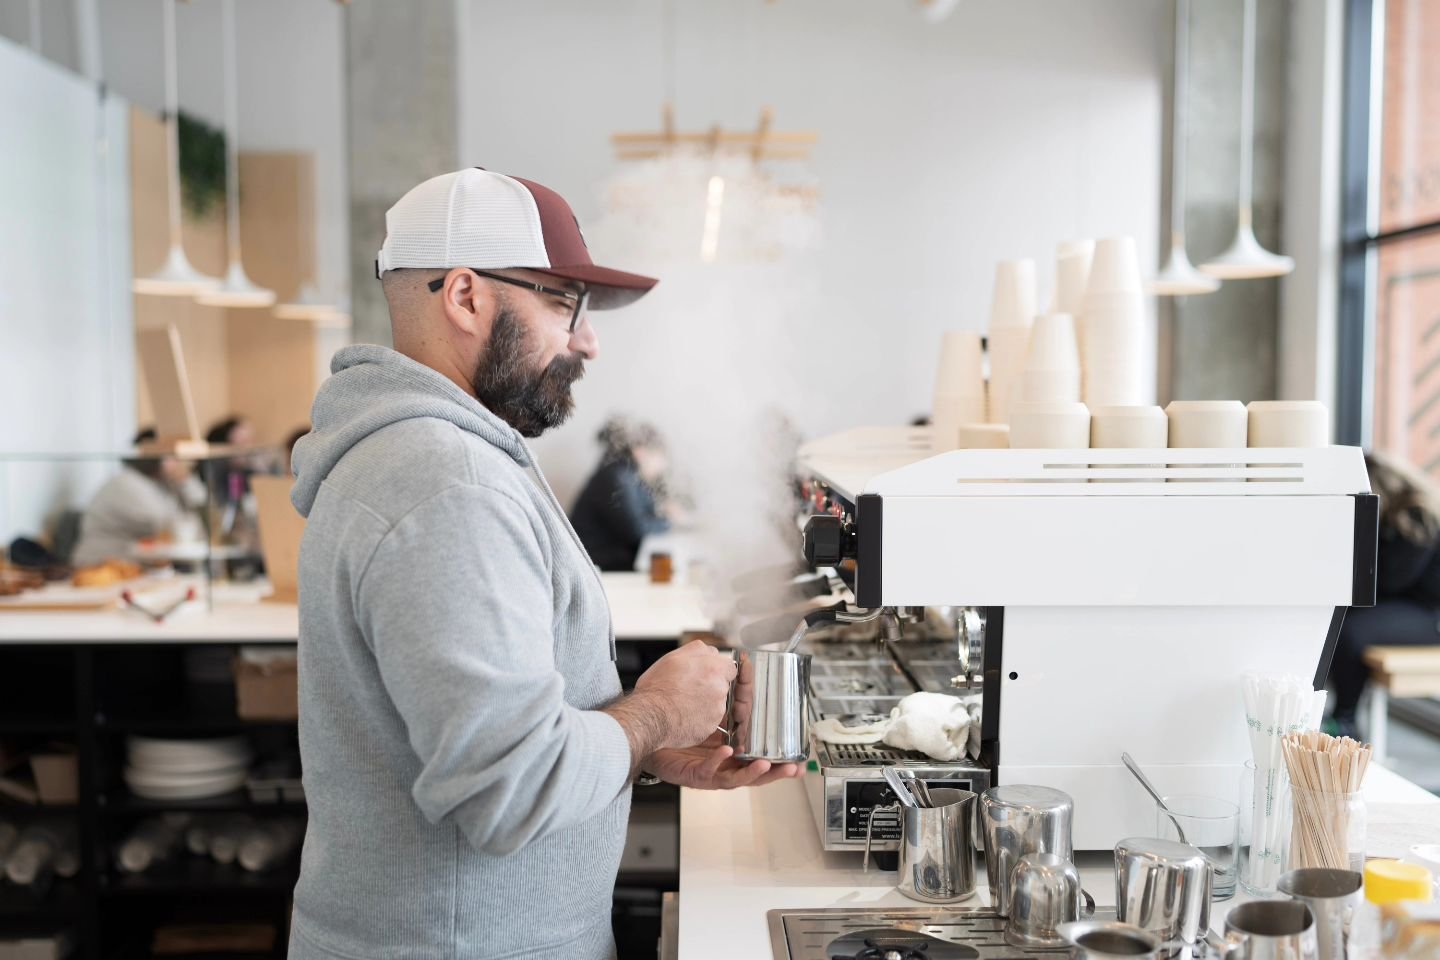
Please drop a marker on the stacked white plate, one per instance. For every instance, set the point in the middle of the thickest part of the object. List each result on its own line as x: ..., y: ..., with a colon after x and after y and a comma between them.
x: 186, y: 769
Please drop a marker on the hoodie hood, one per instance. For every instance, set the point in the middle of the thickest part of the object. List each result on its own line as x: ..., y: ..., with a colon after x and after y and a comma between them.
x: 373, y: 387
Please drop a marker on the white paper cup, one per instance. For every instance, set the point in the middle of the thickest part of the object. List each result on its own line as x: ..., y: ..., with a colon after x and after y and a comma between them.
x: 1008, y: 349
x: 1115, y: 266
x: 961, y: 371
x: 984, y: 436
x: 1058, y: 386
x: 1072, y: 272
x: 1288, y: 423
x: 1207, y: 423
x: 1013, y: 302
x: 1049, y: 425
x: 1053, y: 345
x: 1128, y: 427
x: 947, y: 416
x: 1118, y: 385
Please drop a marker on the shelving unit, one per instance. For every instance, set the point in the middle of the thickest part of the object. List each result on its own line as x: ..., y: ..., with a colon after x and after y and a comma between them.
x: 94, y: 695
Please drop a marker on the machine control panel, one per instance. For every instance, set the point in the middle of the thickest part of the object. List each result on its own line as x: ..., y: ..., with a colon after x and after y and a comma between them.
x: 861, y: 796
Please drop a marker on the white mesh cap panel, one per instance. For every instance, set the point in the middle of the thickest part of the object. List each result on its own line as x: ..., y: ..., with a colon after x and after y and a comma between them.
x: 470, y: 218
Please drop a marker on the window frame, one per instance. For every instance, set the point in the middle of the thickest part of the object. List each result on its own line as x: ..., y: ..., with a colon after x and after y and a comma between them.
x: 1360, y: 236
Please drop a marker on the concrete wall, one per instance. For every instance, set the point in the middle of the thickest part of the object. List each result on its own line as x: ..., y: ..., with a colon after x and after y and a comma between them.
x: 1224, y: 345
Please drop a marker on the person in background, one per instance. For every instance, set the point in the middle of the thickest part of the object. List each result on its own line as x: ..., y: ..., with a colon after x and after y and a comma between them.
x: 1407, y: 602
x: 229, y: 479
x: 142, y: 500
x: 618, y: 507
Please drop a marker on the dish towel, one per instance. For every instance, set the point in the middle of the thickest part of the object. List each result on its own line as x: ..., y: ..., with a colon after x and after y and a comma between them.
x: 935, y: 724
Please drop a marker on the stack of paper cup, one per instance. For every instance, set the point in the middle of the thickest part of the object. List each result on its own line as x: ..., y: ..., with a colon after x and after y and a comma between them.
x: 1207, y: 423
x: 1289, y: 423
x: 959, y: 388
x: 1113, y: 326
x: 1048, y: 424
x: 1072, y: 272
x: 1117, y: 427
x: 984, y: 436
x: 1012, y: 310
x: 1052, y: 364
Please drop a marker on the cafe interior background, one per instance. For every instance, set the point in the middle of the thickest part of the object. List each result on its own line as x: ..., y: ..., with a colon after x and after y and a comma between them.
x: 826, y: 190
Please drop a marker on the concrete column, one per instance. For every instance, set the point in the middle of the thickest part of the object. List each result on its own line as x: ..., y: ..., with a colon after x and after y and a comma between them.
x: 402, y: 86
x: 1224, y: 345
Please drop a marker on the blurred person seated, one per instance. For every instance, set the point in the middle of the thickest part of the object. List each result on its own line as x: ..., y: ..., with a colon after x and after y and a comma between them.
x: 620, y: 505
x: 229, y: 479
x: 1407, y: 602
x: 142, y: 501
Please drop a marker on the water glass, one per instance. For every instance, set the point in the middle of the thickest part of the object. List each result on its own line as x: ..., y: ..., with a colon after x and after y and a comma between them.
x: 1212, y: 825
x: 1264, y: 829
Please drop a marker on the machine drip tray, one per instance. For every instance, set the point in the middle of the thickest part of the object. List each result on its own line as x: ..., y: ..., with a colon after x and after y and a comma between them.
x: 939, y: 932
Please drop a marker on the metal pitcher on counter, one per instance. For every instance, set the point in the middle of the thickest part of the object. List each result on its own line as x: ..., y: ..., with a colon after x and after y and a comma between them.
x: 769, y: 706
x: 937, y: 846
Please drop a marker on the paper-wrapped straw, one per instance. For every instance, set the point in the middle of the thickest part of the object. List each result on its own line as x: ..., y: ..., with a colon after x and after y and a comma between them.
x: 1274, y: 707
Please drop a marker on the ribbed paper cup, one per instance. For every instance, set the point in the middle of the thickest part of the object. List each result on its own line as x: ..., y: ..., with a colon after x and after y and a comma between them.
x: 1049, y: 425
x: 1288, y: 423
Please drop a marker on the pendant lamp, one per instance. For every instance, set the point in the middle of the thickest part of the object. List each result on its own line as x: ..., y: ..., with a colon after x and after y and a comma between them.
x: 1246, y: 259
x: 236, y: 290
x: 177, y: 278
x: 1178, y: 277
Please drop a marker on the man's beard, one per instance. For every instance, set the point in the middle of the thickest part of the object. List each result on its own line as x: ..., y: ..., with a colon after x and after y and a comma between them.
x: 532, y: 401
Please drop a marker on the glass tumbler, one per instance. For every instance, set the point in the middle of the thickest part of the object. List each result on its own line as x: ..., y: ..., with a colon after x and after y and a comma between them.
x: 1212, y: 825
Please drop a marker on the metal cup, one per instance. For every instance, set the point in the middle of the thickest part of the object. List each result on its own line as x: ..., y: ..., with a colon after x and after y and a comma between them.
x: 1046, y: 893
x: 937, y: 863
x: 1094, y: 940
x: 1018, y: 820
x: 1268, y: 930
x: 1332, y: 896
x: 768, y: 706
x: 1164, y: 887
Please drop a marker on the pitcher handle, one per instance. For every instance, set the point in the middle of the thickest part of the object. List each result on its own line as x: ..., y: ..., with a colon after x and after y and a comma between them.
x: 870, y: 829
x: 1089, y: 910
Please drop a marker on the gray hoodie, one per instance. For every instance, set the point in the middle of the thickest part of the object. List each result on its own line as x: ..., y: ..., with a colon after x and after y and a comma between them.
x: 466, y: 797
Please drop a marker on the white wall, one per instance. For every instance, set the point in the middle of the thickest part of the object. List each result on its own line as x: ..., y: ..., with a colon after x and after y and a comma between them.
x: 66, y: 354
x: 943, y: 147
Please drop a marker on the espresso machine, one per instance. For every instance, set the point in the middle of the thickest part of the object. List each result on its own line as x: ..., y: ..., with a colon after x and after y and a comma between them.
x: 1121, y: 594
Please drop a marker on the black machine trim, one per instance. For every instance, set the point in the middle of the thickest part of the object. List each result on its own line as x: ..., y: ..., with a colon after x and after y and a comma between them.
x: 1367, y: 533
x: 990, y: 703
x: 870, y: 527
x: 1327, y: 655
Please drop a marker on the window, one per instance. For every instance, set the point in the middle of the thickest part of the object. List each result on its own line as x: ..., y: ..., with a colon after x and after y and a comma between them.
x: 1390, y: 273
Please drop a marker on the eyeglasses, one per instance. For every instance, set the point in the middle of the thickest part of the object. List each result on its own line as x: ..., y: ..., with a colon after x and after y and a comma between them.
x: 578, y: 301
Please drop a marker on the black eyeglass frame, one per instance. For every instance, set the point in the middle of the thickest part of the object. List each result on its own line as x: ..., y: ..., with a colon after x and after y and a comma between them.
x: 580, y: 299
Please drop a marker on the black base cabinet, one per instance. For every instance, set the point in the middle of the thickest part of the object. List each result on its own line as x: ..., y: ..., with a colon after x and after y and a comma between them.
x: 90, y: 697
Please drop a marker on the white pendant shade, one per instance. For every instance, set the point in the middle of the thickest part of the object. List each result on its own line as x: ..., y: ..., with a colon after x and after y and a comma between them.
x: 1179, y: 278
x: 177, y: 278
x: 236, y: 290
x: 1245, y: 259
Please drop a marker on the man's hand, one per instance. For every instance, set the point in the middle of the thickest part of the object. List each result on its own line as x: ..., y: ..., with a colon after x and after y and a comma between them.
x: 712, y: 766
x: 678, y: 702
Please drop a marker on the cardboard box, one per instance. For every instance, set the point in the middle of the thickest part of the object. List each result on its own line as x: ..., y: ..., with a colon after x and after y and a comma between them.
x: 266, y: 685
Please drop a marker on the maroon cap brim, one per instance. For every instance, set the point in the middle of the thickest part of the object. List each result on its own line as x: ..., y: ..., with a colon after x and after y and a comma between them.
x: 609, y: 289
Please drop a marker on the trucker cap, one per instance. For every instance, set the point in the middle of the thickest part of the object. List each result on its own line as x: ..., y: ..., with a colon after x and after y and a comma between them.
x: 486, y: 220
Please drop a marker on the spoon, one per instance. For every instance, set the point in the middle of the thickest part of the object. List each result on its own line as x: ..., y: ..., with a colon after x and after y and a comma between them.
x: 899, y: 786
x: 919, y: 788
x: 1150, y: 789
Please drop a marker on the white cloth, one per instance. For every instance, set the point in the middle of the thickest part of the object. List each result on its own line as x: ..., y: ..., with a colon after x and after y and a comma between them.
x: 851, y: 730
x: 935, y: 724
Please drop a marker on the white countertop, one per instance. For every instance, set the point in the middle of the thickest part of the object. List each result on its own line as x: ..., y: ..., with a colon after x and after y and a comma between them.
x: 745, y: 852
x: 640, y: 610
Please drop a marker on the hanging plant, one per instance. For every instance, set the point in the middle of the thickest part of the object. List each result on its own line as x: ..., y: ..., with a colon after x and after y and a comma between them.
x: 202, y: 165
